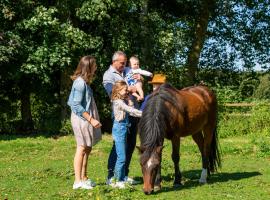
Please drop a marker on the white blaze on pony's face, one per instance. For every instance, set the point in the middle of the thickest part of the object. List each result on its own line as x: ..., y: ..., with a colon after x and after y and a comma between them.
x: 150, y: 162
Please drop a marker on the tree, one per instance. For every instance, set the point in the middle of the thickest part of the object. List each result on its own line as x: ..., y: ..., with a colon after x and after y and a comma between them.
x: 228, y: 34
x: 37, y: 44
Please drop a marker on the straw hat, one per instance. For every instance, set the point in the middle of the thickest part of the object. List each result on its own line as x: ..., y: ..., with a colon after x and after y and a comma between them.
x: 158, y: 78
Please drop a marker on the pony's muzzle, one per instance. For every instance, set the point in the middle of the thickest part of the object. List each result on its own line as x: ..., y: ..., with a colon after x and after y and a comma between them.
x: 148, y: 192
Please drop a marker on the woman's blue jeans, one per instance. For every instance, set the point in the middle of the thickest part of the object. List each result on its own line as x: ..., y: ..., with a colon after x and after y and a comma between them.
x: 119, y: 133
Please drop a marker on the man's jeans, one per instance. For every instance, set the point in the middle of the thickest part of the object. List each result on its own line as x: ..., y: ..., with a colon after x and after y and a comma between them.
x: 130, y: 146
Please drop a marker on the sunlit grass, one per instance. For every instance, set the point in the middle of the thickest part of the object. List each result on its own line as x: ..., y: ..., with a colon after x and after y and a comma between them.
x: 42, y: 168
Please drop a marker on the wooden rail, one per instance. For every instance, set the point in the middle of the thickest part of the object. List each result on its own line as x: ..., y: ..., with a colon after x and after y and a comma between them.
x: 243, y: 104
x: 239, y: 104
x: 244, y: 114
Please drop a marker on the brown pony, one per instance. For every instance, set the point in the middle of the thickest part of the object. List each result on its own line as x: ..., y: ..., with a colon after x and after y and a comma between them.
x: 171, y: 114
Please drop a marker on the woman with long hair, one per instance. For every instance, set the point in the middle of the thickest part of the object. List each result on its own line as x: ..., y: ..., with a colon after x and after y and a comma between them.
x: 84, y: 119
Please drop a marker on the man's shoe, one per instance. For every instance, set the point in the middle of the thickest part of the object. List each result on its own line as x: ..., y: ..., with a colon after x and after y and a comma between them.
x: 110, y: 181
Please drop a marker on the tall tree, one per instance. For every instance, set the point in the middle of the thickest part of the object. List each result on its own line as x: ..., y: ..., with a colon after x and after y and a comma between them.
x: 46, y: 43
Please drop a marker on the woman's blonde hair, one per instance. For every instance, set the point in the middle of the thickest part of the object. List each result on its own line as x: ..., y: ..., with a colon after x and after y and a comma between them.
x: 86, y: 69
x: 117, y: 87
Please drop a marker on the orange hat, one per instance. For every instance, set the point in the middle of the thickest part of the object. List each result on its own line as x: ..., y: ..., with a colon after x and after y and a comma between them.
x: 158, y: 78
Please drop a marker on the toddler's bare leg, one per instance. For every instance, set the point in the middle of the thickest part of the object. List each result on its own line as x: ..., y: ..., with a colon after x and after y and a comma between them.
x: 135, y: 94
x: 140, y: 90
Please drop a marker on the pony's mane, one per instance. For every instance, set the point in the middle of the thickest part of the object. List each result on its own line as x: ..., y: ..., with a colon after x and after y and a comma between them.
x: 156, y: 118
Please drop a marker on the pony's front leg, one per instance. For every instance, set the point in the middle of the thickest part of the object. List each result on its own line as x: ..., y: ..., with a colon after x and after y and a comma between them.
x: 203, y: 178
x: 176, y: 159
x: 157, y: 185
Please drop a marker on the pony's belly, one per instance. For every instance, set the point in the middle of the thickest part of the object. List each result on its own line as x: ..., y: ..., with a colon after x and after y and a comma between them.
x: 192, y: 127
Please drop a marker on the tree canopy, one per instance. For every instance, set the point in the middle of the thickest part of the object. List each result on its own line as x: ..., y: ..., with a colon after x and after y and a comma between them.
x: 42, y: 41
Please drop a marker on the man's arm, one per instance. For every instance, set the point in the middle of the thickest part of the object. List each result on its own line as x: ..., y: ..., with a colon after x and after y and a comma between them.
x: 108, y: 82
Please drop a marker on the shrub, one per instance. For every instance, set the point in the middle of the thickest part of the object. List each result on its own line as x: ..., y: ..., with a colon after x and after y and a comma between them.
x: 257, y: 123
x: 263, y: 89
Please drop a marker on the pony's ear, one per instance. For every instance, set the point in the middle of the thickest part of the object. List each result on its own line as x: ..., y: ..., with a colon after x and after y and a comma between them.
x: 159, y: 149
x: 140, y: 149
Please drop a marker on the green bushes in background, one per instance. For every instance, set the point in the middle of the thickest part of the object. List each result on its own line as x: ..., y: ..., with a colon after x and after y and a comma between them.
x: 254, y: 121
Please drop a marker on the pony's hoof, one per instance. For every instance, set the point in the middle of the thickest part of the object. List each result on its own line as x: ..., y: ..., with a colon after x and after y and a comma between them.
x: 157, y: 187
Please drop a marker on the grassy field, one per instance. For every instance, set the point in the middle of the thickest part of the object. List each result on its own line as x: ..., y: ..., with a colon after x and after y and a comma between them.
x: 41, y: 168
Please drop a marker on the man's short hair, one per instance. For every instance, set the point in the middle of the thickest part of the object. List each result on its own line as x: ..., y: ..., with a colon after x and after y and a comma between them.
x: 117, y: 54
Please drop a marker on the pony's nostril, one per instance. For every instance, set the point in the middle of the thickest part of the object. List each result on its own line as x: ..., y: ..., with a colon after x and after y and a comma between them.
x: 148, y: 192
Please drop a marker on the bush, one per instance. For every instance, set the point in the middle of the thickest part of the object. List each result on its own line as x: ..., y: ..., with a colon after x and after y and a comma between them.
x: 228, y: 94
x: 257, y: 123
x: 263, y: 89
x: 260, y: 119
x: 66, y: 127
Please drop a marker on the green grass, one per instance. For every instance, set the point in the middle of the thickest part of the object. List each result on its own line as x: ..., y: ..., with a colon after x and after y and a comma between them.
x: 42, y: 168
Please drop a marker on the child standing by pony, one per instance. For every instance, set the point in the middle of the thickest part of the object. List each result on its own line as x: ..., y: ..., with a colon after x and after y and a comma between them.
x: 121, y: 110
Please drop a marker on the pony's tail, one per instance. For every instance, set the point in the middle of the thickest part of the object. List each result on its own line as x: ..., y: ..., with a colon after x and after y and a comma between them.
x: 214, y: 157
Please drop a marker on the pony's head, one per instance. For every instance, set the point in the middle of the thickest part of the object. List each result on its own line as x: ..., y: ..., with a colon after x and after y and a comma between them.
x: 150, y: 161
x: 154, y: 126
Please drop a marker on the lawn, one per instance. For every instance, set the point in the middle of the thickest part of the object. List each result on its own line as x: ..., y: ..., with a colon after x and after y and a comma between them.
x: 42, y: 168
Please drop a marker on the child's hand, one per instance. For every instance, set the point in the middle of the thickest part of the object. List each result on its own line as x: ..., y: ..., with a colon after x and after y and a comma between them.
x: 130, y: 102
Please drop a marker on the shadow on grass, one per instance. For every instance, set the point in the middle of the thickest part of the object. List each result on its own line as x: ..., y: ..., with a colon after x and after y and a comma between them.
x: 191, y: 179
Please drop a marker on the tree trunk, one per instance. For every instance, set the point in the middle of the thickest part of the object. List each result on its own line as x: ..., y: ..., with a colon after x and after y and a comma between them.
x: 65, y: 86
x: 146, y: 39
x: 199, y: 38
x: 27, y: 121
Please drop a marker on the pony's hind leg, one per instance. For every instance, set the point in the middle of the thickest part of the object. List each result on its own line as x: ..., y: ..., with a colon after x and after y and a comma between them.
x: 176, y: 159
x: 199, y: 140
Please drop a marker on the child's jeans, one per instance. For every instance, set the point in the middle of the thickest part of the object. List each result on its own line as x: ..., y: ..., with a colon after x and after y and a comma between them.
x: 119, y: 133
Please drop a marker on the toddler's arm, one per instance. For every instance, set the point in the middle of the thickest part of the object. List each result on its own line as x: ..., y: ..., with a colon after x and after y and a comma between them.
x: 142, y: 72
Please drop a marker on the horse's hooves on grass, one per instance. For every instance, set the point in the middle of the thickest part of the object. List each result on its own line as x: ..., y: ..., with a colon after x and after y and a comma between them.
x: 157, y: 188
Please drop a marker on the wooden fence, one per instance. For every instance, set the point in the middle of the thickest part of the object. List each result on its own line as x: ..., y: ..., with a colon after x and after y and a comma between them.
x: 245, y: 105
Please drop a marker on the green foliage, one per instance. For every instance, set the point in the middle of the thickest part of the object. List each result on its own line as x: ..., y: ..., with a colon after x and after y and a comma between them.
x: 228, y: 94
x: 256, y: 121
x: 96, y: 10
x: 40, y: 41
x: 66, y: 127
x: 262, y: 145
x: 263, y: 89
x: 260, y: 118
x: 46, y: 114
x: 232, y: 25
x: 248, y: 84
